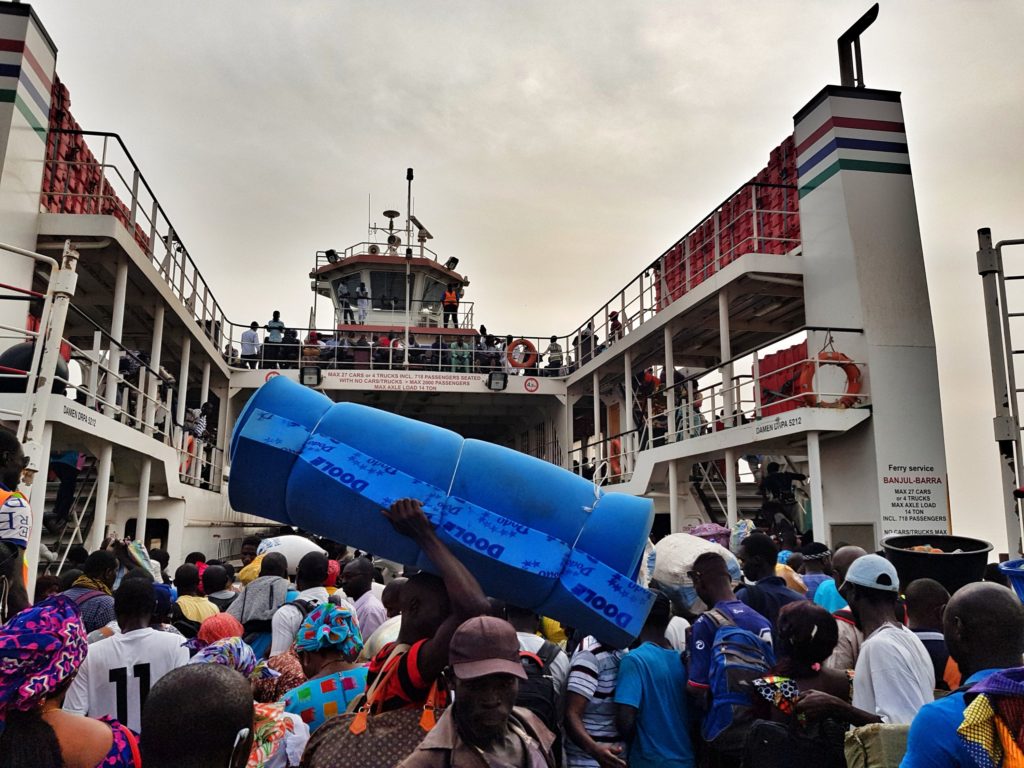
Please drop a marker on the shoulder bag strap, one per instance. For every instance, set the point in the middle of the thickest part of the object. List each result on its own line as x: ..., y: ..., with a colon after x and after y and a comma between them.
x: 133, y: 744
x: 363, y: 705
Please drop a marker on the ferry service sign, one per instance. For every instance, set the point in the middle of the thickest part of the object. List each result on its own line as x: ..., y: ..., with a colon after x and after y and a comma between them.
x: 913, y: 499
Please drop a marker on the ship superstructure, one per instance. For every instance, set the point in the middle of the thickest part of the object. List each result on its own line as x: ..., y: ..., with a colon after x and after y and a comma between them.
x: 790, y: 325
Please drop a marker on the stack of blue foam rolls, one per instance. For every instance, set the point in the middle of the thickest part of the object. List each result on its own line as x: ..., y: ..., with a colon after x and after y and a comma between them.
x: 532, y: 533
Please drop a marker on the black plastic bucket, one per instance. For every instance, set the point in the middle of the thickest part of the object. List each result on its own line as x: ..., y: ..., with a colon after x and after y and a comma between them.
x: 950, y: 568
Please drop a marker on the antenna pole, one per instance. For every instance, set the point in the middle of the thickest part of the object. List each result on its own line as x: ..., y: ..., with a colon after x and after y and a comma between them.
x: 408, y: 206
x: 408, y: 259
x: 408, y: 290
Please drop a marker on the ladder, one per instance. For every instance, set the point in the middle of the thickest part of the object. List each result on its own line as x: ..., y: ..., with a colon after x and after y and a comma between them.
x: 1004, y: 317
x: 80, y: 518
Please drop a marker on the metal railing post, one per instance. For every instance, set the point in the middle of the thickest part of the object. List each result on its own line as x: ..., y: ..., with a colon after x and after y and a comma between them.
x: 133, y: 213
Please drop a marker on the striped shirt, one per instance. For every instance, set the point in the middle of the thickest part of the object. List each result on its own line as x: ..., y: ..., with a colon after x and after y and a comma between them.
x: 593, y: 674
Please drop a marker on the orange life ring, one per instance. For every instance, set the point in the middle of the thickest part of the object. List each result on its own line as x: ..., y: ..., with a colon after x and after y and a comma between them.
x: 854, y: 381
x: 531, y: 353
x: 615, y: 457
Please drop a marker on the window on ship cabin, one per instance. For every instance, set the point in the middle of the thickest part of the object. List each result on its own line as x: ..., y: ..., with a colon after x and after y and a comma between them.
x: 432, y: 295
x: 387, y: 290
x: 351, y: 283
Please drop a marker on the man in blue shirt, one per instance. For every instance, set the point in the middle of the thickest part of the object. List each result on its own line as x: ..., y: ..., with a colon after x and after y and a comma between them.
x: 651, y: 707
x: 984, y: 630
x: 758, y: 556
x: 711, y: 581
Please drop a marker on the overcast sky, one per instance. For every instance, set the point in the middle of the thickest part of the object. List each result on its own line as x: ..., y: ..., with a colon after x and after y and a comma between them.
x: 559, y: 146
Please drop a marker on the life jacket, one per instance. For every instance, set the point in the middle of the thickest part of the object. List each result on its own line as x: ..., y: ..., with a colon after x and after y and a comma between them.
x: 451, y: 297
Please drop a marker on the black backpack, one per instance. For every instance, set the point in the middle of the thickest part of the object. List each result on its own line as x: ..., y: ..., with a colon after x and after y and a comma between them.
x: 188, y: 628
x: 537, y: 693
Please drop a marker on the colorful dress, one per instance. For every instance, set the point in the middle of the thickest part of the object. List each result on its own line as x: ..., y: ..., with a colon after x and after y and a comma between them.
x: 321, y: 698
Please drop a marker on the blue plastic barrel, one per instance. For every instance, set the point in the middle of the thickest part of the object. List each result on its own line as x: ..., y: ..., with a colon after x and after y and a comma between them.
x: 1013, y: 570
x: 532, y: 533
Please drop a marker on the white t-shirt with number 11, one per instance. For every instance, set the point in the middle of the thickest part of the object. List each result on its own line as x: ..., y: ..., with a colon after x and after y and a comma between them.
x: 119, y: 672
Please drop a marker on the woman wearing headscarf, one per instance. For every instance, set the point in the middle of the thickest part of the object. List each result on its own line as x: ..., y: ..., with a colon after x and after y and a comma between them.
x: 279, y: 737
x: 796, y: 695
x: 327, y: 643
x: 41, y: 650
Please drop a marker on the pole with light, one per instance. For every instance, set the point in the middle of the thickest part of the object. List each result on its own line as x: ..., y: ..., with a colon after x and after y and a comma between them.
x: 408, y: 259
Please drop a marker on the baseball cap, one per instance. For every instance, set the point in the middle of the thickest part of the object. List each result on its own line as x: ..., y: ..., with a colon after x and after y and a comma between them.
x: 874, y: 572
x: 485, y: 645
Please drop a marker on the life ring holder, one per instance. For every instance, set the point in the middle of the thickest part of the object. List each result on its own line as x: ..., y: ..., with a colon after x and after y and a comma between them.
x: 531, y: 354
x: 854, y: 380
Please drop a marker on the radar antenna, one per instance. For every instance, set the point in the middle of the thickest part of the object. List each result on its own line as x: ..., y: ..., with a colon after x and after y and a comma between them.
x: 851, y: 67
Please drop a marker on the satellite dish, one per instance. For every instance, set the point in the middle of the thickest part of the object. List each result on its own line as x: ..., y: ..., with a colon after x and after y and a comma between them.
x: 389, y: 214
x: 374, y: 250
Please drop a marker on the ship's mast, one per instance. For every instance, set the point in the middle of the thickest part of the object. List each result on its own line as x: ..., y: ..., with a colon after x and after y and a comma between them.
x: 408, y: 258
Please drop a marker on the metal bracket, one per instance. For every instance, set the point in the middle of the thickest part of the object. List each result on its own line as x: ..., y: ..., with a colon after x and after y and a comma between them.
x: 989, y: 261
x: 1004, y: 428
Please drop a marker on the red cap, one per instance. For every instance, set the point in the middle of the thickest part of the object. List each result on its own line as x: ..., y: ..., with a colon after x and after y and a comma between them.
x: 485, y: 645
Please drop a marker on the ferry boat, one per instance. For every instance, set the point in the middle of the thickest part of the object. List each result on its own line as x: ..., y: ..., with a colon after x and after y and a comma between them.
x: 790, y: 325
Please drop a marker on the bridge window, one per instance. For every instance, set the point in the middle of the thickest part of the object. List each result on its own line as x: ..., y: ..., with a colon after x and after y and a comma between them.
x: 387, y: 290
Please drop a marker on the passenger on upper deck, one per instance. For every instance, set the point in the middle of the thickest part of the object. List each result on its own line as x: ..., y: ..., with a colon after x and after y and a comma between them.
x: 344, y: 301
x: 460, y: 355
x: 614, y: 327
x: 275, y: 329
x: 554, y: 355
x: 275, y: 336
x: 363, y: 303
x: 450, y: 302
x: 586, y: 343
x: 251, y: 346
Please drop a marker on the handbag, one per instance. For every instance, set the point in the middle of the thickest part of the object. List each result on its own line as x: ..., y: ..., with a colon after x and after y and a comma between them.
x: 779, y: 745
x: 366, y: 737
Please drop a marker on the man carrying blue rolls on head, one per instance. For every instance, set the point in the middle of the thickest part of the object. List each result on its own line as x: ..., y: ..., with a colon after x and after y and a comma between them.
x: 432, y: 608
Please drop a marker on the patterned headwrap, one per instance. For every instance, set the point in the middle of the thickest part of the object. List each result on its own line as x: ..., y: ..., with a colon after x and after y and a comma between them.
x: 220, y: 626
x: 330, y: 626
x: 234, y: 653
x: 40, y: 648
x: 816, y: 551
x: 270, y: 729
x: 993, y: 720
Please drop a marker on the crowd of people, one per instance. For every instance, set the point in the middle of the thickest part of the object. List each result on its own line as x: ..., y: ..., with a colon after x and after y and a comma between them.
x: 474, y: 352
x: 774, y: 657
x: 273, y: 665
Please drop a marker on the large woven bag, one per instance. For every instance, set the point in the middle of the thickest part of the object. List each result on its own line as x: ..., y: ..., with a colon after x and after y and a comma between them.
x: 365, y: 737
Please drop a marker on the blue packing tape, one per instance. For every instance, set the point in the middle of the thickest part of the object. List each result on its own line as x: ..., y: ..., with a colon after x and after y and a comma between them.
x: 275, y: 431
x: 498, y: 538
x: 607, y: 592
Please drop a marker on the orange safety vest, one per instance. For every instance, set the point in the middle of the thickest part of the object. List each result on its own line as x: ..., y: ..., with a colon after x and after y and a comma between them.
x: 451, y: 297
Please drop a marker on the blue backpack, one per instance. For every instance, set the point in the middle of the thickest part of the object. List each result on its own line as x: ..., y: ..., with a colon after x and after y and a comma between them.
x: 738, y: 657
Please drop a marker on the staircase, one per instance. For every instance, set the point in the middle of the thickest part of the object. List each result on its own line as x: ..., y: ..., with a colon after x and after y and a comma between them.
x: 709, y: 486
x: 75, y: 529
